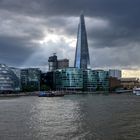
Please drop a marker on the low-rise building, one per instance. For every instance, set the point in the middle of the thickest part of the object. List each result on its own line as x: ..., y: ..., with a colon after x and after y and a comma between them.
x: 79, y: 79
x: 130, y: 83
x: 52, y: 62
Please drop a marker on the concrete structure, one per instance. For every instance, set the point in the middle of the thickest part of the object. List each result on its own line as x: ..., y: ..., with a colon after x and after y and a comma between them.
x: 79, y: 79
x: 9, y: 82
x: 103, y: 80
x: 55, y: 63
x: 62, y: 63
x: 82, y: 54
x: 114, y: 83
x: 30, y: 79
x: 115, y: 73
x: 52, y: 62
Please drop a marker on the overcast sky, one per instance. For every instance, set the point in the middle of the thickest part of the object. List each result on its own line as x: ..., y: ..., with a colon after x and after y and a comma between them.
x: 32, y: 30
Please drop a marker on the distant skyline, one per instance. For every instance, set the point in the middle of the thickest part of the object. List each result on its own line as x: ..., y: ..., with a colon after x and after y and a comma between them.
x: 33, y: 30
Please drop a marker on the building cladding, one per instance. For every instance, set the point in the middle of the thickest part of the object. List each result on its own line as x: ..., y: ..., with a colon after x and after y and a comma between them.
x: 30, y: 79
x: 48, y: 79
x: 103, y: 80
x: 9, y: 82
x: 69, y: 79
x: 52, y: 62
x: 90, y: 80
x: 79, y: 79
x: 82, y: 54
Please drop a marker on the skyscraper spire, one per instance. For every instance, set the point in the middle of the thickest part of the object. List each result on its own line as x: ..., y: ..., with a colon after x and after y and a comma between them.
x: 82, y: 53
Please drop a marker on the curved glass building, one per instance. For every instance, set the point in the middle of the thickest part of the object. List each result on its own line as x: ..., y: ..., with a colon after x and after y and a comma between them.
x: 8, y: 79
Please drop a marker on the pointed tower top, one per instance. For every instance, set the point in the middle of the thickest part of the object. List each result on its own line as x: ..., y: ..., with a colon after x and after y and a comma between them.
x: 82, y: 12
x: 82, y: 53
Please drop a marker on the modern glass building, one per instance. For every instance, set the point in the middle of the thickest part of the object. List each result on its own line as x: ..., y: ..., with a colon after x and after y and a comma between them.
x: 17, y: 73
x: 79, y: 79
x: 47, y: 81
x: 52, y: 62
x: 30, y: 79
x: 103, y: 80
x: 9, y: 82
x: 68, y: 79
x: 90, y: 80
x: 82, y: 54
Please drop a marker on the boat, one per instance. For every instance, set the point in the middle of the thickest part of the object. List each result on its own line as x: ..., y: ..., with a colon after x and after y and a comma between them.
x: 136, y: 91
x: 50, y: 94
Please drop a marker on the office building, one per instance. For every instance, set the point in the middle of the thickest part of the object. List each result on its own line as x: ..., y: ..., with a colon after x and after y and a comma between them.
x: 69, y: 79
x: 79, y: 79
x: 82, y: 54
x: 30, y: 79
x: 47, y: 81
x: 52, y: 62
x: 90, y: 80
x: 103, y: 80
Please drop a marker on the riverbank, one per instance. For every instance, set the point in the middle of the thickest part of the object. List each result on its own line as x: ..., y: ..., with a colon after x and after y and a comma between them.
x: 19, y: 94
x: 63, y: 92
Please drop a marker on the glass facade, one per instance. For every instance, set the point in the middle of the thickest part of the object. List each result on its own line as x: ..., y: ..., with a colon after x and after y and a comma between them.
x: 103, y: 80
x: 52, y: 62
x: 30, y: 79
x: 69, y: 79
x: 82, y: 53
x: 9, y: 82
x: 90, y: 79
x: 79, y: 79
x: 18, y: 81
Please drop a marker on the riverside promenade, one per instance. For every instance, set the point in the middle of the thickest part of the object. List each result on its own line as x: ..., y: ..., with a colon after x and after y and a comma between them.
x: 35, y: 93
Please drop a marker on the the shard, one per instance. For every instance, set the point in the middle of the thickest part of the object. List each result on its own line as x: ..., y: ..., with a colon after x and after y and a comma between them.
x: 82, y: 54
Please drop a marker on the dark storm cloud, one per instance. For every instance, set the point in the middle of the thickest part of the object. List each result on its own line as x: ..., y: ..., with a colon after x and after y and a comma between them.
x: 24, y: 23
x: 15, y: 49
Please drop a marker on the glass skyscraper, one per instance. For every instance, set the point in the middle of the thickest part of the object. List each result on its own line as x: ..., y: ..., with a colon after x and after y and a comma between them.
x: 82, y: 53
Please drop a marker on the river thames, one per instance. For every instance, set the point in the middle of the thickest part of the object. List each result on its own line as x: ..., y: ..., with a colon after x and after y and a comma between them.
x: 72, y: 117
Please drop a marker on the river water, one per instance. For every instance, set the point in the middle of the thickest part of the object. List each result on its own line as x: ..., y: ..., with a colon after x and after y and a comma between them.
x: 72, y: 117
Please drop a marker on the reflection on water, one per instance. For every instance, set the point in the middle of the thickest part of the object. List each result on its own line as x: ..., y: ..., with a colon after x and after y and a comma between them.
x: 113, y: 117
